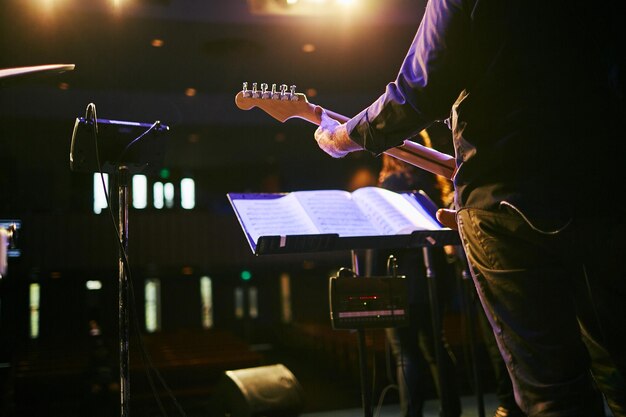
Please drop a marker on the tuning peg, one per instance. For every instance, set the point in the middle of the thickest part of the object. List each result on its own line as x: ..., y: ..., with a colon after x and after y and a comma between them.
x: 292, y: 93
x: 283, y: 92
x: 264, y: 93
x: 245, y: 91
x: 275, y: 94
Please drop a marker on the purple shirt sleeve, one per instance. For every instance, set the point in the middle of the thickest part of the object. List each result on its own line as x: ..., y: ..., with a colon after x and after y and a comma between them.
x: 429, y: 81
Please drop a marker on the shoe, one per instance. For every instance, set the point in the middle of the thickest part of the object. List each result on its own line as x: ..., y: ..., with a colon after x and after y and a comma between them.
x: 505, y: 412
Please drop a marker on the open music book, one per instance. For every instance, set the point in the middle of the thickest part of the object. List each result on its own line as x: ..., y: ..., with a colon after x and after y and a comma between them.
x: 368, y: 211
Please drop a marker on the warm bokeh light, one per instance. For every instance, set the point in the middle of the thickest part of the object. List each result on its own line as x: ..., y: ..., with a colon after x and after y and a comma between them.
x: 362, y: 177
x: 308, y: 48
x: 157, y: 43
x: 311, y: 92
x: 190, y: 92
x: 64, y: 86
x: 301, y: 7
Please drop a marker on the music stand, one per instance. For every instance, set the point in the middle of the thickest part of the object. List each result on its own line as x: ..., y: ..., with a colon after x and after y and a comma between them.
x: 425, y: 239
x: 120, y: 148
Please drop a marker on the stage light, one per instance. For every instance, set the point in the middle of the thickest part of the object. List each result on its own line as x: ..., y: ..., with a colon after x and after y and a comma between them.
x: 299, y: 7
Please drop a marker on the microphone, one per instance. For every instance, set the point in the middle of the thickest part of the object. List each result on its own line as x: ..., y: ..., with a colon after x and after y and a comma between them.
x: 102, y: 145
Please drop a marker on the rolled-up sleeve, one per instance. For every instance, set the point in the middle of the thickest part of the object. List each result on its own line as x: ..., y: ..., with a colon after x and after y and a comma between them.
x: 430, y: 79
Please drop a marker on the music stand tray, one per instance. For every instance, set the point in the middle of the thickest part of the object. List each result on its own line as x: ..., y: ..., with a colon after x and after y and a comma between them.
x: 436, y: 235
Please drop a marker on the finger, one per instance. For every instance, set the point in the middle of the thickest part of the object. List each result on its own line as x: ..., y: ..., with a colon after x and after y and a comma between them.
x: 447, y: 217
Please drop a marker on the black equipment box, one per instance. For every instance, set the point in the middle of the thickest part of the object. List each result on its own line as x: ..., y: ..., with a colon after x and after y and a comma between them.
x: 359, y: 302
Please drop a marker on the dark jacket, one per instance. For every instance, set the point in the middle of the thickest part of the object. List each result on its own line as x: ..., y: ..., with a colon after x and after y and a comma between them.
x: 534, y: 93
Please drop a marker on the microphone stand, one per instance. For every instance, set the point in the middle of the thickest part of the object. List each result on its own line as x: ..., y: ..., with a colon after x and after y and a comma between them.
x: 123, y: 181
x: 117, y: 157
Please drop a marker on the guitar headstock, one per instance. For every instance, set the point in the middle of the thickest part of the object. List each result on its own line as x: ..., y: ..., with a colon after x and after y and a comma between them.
x: 281, y: 104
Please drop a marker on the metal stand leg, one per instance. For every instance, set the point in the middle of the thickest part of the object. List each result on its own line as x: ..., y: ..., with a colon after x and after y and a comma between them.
x: 437, y: 329
x: 366, y: 393
x: 468, y: 291
x: 123, y: 176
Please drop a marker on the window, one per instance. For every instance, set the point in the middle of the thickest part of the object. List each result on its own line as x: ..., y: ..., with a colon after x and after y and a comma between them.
x: 152, y: 293
x: 140, y: 191
x: 168, y: 194
x: 253, y: 303
x: 239, y: 302
x: 285, y: 298
x: 93, y: 285
x: 99, y: 198
x: 158, y: 199
x: 187, y: 193
x: 206, y: 299
x: 34, y: 294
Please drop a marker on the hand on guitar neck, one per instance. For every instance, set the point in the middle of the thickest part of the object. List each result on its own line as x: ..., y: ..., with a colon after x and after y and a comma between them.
x: 332, y: 136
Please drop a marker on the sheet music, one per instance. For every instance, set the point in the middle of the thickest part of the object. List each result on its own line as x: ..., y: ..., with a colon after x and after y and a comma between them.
x: 427, y: 219
x: 391, y: 212
x: 281, y: 216
x: 335, y: 211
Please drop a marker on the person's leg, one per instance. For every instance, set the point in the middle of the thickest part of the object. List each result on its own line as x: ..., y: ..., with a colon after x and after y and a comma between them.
x: 410, y: 374
x: 507, y: 406
x: 526, y: 292
x: 601, y: 307
x: 607, y: 377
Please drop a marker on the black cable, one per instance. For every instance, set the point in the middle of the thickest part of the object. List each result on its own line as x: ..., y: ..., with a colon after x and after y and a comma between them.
x: 131, y: 143
x: 147, y: 361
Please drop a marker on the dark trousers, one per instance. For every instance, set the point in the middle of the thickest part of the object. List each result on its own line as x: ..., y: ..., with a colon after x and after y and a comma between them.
x: 551, y: 296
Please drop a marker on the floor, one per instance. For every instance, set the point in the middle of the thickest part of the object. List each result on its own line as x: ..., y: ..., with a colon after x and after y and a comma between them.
x: 470, y: 409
